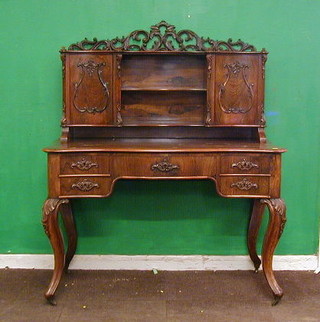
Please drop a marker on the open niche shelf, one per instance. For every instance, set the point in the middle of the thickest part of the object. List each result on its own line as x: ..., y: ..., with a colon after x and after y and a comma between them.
x: 163, y: 90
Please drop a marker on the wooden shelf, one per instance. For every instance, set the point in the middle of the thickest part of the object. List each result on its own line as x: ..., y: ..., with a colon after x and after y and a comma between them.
x: 182, y: 89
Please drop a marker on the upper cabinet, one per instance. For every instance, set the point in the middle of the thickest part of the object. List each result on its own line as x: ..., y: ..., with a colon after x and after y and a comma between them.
x: 163, y: 78
x: 88, y: 89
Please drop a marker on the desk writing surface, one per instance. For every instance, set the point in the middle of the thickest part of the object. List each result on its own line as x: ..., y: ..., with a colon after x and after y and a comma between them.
x: 162, y: 145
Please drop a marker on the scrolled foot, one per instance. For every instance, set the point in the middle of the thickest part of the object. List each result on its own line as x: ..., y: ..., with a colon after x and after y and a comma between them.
x: 276, y: 300
x: 51, y: 300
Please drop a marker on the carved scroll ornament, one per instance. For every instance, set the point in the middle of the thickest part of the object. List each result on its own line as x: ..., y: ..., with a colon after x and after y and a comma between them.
x: 244, y: 184
x: 90, y: 69
x: 85, y: 185
x: 84, y: 164
x: 280, y: 210
x: 236, y: 85
x: 244, y: 165
x: 49, y: 207
x: 162, y: 37
x: 164, y: 166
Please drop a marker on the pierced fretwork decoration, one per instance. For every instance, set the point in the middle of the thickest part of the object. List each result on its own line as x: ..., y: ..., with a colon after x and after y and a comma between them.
x: 162, y: 37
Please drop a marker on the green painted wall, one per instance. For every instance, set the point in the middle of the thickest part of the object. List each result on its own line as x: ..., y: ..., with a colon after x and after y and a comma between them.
x: 164, y: 217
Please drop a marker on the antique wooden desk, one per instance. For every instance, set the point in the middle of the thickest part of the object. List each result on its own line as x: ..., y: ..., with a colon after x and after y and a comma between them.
x: 163, y: 105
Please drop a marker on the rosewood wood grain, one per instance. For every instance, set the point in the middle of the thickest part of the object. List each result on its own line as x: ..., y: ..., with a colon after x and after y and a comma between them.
x: 164, y: 72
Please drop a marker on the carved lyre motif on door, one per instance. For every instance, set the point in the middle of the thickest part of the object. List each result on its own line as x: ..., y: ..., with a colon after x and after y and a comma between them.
x: 236, y: 93
x: 91, y: 93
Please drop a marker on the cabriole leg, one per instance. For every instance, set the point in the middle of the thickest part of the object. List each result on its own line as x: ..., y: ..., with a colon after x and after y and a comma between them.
x: 254, y: 226
x: 50, y: 223
x: 277, y: 220
x: 70, y: 227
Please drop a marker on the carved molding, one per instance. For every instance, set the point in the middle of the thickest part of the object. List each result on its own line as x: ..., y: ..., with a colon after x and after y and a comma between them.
x: 235, y: 70
x: 209, y: 66
x: 84, y: 164
x: 163, y: 37
x: 63, y: 119
x: 262, y: 119
x: 244, y: 165
x: 118, y: 65
x: 208, y: 113
x: 48, y: 209
x: 164, y: 166
x: 244, y: 184
x: 85, y: 185
x: 264, y: 60
x: 89, y: 69
x: 280, y: 210
x: 119, y: 117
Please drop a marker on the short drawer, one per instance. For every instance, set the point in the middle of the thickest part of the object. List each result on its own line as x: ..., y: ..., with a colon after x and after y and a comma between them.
x: 82, y: 163
x: 244, y: 186
x: 85, y: 186
x: 164, y: 165
x: 246, y: 163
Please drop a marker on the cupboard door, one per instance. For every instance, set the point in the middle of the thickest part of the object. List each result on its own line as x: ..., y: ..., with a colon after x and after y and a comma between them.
x: 238, y: 90
x: 89, y: 92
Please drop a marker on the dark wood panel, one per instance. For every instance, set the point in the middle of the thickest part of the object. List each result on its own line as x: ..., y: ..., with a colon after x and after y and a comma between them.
x: 89, y: 94
x: 184, y: 108
x: 169, y: 132
x: 163, y: 72
x: 237, y: 88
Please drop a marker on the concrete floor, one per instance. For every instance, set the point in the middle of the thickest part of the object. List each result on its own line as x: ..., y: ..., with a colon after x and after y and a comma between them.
x: 166, y: 296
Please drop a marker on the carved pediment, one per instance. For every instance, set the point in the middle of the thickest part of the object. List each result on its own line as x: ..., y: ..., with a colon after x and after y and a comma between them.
x: 163, y: 37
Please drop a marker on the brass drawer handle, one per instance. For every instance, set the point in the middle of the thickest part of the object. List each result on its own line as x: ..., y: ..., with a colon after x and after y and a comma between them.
x: 164, y: 166
x: 244, y: 184
x: 85, y: 185
x: 244, y: 165
x: 83, y: 164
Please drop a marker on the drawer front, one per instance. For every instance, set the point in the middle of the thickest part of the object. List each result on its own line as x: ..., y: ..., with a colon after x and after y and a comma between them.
x: 84, y: 186
x: 165, y: 165
x: 244, y: 186
x: 243, y: 163
x: 83, y: 163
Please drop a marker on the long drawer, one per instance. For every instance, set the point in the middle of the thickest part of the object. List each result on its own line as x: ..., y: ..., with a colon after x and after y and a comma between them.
x: 164, y: 165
